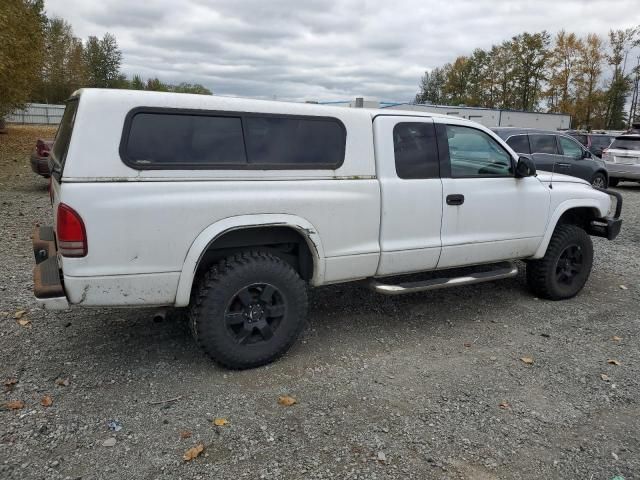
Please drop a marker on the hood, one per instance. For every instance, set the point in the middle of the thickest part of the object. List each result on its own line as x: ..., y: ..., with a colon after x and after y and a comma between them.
x: 545, y: 177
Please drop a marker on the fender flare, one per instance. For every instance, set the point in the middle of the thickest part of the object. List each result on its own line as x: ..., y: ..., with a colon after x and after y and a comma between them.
x: 216, y: 230
x: 558, y: 212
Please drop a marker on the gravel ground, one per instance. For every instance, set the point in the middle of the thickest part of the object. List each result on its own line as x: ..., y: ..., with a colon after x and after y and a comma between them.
x: 421, y: 386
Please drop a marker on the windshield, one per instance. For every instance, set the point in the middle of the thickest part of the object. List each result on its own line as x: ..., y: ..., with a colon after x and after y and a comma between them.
x: 63, y: 137
x: 626, y: 143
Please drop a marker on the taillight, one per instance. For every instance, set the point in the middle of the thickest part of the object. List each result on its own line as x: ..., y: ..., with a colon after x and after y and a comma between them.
x: 42, y: 149
x: 72, y: 236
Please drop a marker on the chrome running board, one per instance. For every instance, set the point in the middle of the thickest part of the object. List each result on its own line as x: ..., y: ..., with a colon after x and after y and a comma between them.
x: 501, y: 270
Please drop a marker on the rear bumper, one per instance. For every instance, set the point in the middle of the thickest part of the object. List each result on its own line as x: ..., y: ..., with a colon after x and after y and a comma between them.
x: 47, y: 282
x: 623, y: 171
x: 608, y: 227
x: 40, y: 165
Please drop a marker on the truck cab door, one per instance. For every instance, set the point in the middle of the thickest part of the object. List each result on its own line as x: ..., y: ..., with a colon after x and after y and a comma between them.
x: 489, y: 215
x: 408, y: 169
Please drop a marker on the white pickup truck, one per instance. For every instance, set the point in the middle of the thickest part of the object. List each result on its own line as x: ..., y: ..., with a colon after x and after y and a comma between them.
x: 232, y: 207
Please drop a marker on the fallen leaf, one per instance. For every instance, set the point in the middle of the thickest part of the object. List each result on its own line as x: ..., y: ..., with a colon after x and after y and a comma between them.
x: 62, y: 382
x: 286, y: 400
x: 19, y: 314
x: 24, y: 322
x: 193, y: 452
x: 10, y: 383
x: 220, y: 422
x: 604, y: 377
x: 615, y: 338
x: 46, y: 401
x: 504, y: 405
x: 613, y: 361
x: 623, y: 287
x: 527, y: 360
x: 467, y: 344
x: 15, y: 405
x: 185, y: 434
x: 110, y: 442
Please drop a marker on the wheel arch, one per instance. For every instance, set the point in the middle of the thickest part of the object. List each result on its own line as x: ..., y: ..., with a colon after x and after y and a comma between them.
x: 230, y: 227
x: 577, y: 212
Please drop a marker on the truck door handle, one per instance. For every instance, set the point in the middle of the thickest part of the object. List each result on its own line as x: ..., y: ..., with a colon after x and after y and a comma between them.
x: 563, y: 165
x: 455, y: 199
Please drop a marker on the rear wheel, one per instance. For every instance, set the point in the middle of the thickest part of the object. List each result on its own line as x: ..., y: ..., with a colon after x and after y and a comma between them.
x: 599, y: 180
x: 613, y: 182
x: 248, y: 310
x: 565, y: 267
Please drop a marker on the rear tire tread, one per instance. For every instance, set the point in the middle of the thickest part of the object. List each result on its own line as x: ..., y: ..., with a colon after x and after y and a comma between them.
x: 211, y: 286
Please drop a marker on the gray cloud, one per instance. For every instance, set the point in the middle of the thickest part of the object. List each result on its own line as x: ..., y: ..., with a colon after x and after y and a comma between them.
x: 321, y: 49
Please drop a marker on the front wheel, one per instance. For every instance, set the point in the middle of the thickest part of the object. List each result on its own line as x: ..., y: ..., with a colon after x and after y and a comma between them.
x: 565, y: 267
x: 248, y: 309
x: 599, y: 180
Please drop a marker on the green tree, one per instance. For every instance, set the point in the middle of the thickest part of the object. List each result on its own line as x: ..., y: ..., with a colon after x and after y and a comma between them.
x: 621, y: 41
x: 136, y: 83
x: 21, y: 51
x: 102, y: 58
x: 155, y: 85
x: 431, y: 85
x: 190, y: 88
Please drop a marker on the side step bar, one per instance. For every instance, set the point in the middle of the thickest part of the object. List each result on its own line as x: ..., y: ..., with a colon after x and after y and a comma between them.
x: 502, y: 270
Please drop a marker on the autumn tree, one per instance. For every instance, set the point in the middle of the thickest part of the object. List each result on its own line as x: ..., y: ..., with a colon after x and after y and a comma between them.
x: 21, y: 51
x: 529, y: 53
x: 63, y: 68
x: 587, y: 80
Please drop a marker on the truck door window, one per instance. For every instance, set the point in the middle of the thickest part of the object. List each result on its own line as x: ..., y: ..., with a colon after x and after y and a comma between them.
x: 415, y: 150
x: 473, y: 153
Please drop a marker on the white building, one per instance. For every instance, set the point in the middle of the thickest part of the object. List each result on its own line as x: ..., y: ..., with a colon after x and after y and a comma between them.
x: 486, y: 116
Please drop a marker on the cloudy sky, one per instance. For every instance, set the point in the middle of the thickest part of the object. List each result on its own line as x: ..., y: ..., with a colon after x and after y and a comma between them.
x: 320, y: 49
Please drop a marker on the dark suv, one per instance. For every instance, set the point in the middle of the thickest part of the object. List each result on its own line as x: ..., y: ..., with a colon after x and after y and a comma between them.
x: 555, y: 152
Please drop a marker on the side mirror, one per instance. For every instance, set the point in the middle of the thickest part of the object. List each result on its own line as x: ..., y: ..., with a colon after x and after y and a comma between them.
x: 586, y: 154
x: 525, y: 167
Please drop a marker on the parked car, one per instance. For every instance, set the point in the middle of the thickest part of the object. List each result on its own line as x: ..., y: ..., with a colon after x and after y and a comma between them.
x: 40, y: 157
x: 598, y: 142
x: 623, y: 159
x: 232, y: 207
x: 595, y: 142
x: 557, y: 153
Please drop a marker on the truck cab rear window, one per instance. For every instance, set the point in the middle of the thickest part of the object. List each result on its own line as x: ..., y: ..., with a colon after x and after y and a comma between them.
x: 416, y: 151
x: 168, y: 140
